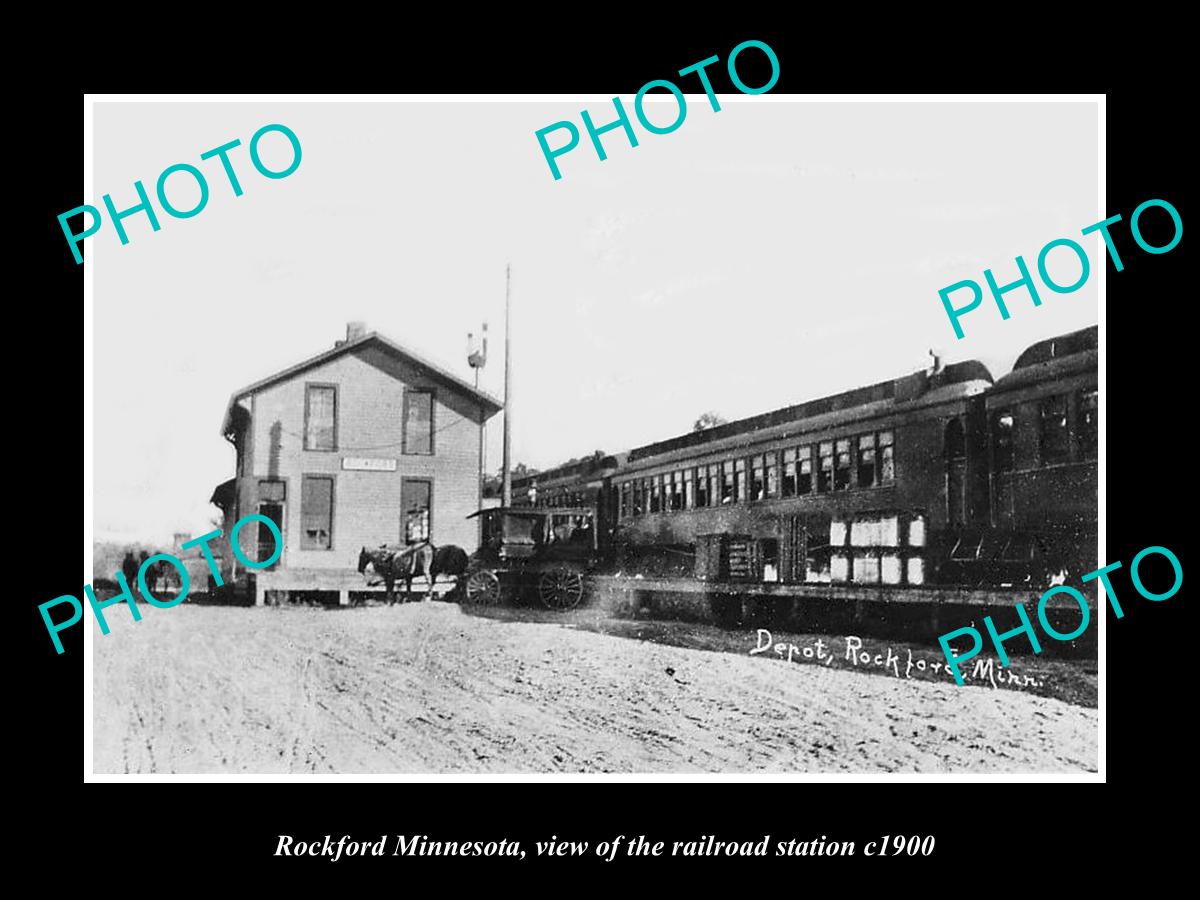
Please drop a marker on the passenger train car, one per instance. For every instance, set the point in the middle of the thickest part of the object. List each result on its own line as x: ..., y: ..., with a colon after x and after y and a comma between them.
x: 940, y: 477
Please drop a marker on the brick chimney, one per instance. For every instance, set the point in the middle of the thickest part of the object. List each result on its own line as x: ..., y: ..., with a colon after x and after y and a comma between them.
x: 355, y: 330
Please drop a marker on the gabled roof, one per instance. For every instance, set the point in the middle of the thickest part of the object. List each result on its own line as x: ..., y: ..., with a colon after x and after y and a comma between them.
x: 437, y: 373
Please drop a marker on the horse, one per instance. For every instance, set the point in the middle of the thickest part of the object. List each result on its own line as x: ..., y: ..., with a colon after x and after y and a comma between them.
x: 392, y: 562
x: 450, y: 559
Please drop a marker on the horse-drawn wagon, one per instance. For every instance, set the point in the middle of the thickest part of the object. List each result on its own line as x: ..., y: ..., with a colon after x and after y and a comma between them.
x: 547, y: 551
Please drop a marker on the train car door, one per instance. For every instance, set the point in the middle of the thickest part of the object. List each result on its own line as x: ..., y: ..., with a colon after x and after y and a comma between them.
x: 956, y: 473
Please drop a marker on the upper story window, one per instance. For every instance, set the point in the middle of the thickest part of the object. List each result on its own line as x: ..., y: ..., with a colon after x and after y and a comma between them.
x: 418, y: 422
x: 1002, y: 441
x: 1056, y: 436
x: 320, y: 417
x: 1089, y: 421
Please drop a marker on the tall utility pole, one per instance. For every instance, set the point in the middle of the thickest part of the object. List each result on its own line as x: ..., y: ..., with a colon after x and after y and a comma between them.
x: 506, y: 476
x: 477, y: 359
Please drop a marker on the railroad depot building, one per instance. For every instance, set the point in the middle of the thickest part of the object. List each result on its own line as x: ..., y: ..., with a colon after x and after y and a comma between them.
x: 363, y: 444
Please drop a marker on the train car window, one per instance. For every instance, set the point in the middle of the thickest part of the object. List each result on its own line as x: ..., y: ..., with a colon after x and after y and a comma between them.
x: 916, y: 532
x: 677, y: 494
x: 656, y: 494
x: 887, y: 462
x: 804, y: 482
x: 626, y: 500
x: 866, y: 461
x: 739, y: 483
x: 768, y: 550
x: 789, y: 473
x: 1002, y: 441
x: 727, y: 482
x: 956, y: 442
x: 1056, y: 438
x: 701, y: 487
x: 1089, y: 421
x: 772, y: 474
x: 825, y: 473
x: 758, y: 478
x: 668, y: 492
x: 689, y: 488
x: 637, y: 498
x: 841, y: 475
x: 866, y: 568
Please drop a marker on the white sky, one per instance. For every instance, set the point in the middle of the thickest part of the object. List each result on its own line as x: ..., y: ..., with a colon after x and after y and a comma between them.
x: 766, y: 254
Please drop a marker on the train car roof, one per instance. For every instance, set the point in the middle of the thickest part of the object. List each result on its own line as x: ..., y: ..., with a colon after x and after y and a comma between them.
x: 575, y: 468
x: 1053, y: 358
x: 955, y: 381
x: 534, y: 511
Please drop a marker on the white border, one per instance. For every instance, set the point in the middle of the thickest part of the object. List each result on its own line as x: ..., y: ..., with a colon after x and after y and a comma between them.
x: 89, y: 102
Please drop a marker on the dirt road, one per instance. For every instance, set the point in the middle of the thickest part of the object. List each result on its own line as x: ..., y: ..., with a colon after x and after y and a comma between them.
x: 424, y: 687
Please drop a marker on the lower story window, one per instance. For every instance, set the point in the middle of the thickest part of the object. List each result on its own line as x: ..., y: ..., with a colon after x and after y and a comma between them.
x: 415, y: 496
x: 316, y: 512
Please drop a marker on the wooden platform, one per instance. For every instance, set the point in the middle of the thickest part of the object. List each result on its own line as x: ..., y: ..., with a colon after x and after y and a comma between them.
x: 933, y: 595
x: 340, y: 581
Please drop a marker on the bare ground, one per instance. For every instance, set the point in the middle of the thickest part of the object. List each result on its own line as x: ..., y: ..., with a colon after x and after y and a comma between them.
x: 424, y: 687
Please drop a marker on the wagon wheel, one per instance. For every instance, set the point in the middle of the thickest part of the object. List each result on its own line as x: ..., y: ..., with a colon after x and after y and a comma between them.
x: 560, y: 589
x: 483, y: 588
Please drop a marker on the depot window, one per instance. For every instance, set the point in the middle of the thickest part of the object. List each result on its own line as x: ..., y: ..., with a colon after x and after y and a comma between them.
x: 316, y: 512
x: 772, y: 474
x: 656, y: 494
x: 418, y: 423
x: 320, y: 417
